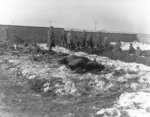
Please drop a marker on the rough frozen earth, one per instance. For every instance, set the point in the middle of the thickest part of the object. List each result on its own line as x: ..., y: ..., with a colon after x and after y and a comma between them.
x: 134, y: 79
x: 134, y: 103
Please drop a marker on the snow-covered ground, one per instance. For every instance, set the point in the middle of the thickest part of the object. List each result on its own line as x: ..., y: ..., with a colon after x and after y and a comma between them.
x: 135, y: 103
x: 142, y: 46
x: 134, y: 76
x: 132, y: 104
x: 124, y: 45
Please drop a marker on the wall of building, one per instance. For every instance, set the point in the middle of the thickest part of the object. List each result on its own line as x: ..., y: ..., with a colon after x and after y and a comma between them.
x: 39, y: 34
x: 27, y: 33
x: 3, y: 35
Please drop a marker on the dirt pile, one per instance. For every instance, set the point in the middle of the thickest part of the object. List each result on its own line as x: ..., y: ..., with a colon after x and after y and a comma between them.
x: 81, y: 64
x: 58, y: 80
x: 53, y: 79
x: 31, y: 48
x: 125, y: 56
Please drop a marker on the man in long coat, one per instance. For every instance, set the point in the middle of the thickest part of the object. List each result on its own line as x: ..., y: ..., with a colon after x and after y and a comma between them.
x: 117, y: 46
x: 69, y: 39
x: 99, y: 40
x: 89, y: 40
x: 50, y: 40
x: 105, y: 43
x: 76, y: 42
x: 131, y: 49
x: 83, y: 39
x: 138, y: 52
x: 63, y: 39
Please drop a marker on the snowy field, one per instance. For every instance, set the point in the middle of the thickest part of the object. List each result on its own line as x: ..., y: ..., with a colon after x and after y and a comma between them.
x: 131, y: 78
x: 135, y: 103
x: 143, y: 46
x: 125, y: 45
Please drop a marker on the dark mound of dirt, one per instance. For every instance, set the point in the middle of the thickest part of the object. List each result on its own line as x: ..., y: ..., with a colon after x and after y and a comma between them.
x: 126, y: 57
x: 93, y: 51
x: 26, y: 49
x: 115, y: 55
x: 146, y: 53
x: 122, y: 55
x: 46, y: 56
x: 68, y: 59
x: 81, y: 64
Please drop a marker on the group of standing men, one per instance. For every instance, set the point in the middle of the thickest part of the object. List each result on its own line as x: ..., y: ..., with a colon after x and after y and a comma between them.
x: 86, y: 41
x: 72, y: 42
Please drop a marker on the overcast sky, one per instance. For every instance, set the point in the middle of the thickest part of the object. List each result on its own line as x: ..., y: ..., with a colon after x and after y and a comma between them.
x: 111, y: 15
